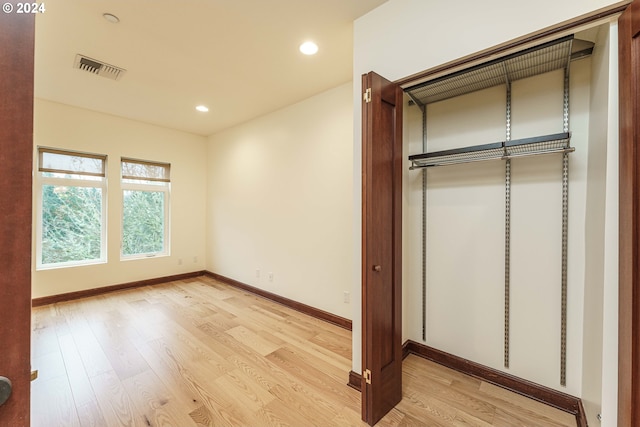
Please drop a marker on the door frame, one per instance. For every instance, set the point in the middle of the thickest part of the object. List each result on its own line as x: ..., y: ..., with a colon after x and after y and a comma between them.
x: 16, y: 148
x: 629, y: 218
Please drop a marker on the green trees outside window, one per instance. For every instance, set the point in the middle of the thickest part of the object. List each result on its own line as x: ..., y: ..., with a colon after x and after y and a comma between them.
x: 145, y: 208
x: 71, y: 223
x: 142, y: 222
x: 70, y: 228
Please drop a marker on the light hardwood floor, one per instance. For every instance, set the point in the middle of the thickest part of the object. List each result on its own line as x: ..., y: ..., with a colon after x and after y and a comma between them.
x: 201, y: 353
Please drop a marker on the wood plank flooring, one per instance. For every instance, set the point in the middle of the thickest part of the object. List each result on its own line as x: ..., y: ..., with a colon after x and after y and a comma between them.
x: 198, y: 353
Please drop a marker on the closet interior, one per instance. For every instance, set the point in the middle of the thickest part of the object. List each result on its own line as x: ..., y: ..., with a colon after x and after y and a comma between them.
x: 495, y: 246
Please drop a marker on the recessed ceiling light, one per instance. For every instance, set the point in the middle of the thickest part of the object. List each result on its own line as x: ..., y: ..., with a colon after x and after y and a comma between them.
x: 309, y: 48
x: 111, y: 18
x: 202, y: 108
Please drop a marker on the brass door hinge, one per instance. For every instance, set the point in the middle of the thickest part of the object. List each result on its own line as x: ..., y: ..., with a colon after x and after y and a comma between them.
x: 34, y: 375
x: 367, y: 96
x: 367, y: 376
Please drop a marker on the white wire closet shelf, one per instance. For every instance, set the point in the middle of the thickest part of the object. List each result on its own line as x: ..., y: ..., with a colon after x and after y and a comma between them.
x: 537, y: 60
x: 547, y: 57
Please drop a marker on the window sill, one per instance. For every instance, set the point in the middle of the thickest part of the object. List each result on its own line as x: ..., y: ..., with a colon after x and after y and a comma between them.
x: 69, y: 265
x: 144, y: 256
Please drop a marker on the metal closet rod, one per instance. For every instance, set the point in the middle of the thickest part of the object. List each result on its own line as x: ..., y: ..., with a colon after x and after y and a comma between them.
x: 546, y: 144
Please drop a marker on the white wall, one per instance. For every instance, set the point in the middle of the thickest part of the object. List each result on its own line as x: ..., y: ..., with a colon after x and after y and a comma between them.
x: 595, y: 228
x: 609, y: 392
x: 405, y: 37
x: 66, y: 127
x: 279, y: 201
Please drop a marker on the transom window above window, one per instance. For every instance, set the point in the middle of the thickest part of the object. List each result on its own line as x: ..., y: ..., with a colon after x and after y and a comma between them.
x: 144, y: 171
x: 59, y: 163
x: 145, y: 208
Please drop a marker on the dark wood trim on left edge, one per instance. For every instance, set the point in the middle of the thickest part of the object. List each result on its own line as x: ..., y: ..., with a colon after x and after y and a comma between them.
x: 16, y: 151
x: 551, y: 397
x: 37, y: 302
x: 295, y: 305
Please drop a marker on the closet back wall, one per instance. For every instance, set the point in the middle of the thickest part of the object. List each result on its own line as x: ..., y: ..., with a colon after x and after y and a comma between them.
x: 279, y: 202
x: 466, y: 230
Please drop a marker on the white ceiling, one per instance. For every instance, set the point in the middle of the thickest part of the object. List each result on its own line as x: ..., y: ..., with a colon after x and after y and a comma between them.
x: 238, y: 57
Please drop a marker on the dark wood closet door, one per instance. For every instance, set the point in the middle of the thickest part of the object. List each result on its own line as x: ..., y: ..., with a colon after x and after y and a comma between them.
x: 381, y: 247
x: 16, y: 148
x: 629, y: 280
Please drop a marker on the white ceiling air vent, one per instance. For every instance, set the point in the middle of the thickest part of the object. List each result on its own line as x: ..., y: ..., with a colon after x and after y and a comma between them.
x: 98, y: 68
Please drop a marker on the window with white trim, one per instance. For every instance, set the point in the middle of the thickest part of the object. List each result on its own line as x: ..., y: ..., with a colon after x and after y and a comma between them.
x: 145, y: 208
x: 71, y: 204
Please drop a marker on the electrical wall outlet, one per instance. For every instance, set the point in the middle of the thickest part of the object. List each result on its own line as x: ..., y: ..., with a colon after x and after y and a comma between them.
x: 257, y: 273
x: 347, y: 297
x: 271, y: 276
x: 179, y: 261
x: 195, y: 259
